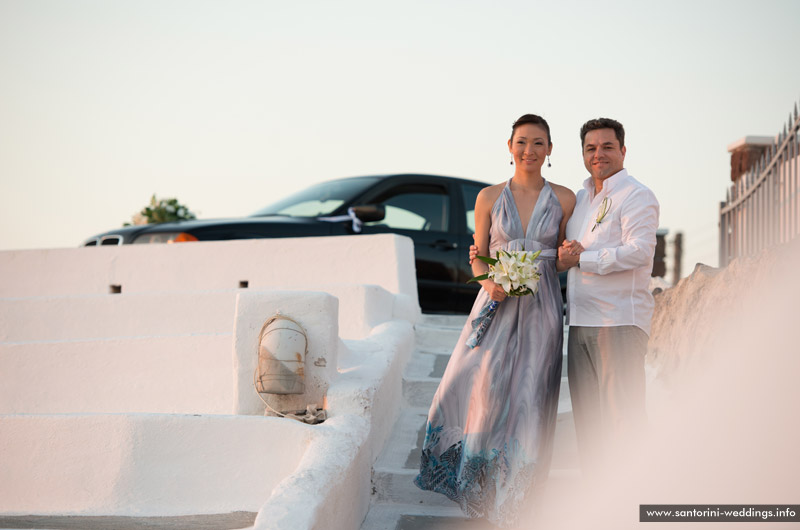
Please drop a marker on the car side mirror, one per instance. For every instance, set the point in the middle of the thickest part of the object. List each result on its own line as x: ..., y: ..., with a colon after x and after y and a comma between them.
x: 370, y: 212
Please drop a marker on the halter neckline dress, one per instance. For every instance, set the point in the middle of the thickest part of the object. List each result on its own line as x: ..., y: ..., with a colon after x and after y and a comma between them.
x: 489, y: 434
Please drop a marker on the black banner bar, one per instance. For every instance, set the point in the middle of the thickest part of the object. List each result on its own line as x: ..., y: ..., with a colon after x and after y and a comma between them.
x: 719, y: 513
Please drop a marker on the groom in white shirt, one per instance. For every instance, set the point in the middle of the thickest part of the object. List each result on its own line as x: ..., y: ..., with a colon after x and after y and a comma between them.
x: 609, y: 246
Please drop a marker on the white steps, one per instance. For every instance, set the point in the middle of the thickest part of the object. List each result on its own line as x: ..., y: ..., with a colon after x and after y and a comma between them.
x: 397, y: 504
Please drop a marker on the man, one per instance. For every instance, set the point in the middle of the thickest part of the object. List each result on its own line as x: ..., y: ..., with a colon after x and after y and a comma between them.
x: 609, y: 246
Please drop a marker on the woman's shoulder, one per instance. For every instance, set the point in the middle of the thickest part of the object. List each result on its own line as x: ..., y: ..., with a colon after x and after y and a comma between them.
x: 565, y: 195
x: 489, y: 194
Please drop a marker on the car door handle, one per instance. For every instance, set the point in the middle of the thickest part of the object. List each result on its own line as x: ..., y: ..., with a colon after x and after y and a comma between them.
x: 444, y: 244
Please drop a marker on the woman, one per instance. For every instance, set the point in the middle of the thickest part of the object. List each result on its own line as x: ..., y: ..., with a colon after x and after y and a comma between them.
x: 491, y: 424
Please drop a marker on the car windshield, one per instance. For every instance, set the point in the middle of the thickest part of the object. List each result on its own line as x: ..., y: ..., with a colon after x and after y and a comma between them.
x: 320, y: 199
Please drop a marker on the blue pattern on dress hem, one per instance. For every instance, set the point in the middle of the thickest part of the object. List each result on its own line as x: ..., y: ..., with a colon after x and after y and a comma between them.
x: 470, y: 480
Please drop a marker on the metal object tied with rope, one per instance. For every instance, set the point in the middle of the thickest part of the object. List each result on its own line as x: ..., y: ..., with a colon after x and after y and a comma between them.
x: 283, y: 371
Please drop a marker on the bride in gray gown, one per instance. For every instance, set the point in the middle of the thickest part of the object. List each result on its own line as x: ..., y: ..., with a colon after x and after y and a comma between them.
x: 490, y: 427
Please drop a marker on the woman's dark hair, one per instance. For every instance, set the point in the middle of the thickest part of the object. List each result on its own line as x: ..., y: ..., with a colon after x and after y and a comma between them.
x: 533, y: 119
x: 604, y: 123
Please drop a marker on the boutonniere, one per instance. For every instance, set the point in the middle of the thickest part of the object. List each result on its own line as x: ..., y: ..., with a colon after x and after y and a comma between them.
x: 605, y: 206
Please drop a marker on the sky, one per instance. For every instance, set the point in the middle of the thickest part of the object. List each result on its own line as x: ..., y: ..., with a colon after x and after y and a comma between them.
x: 231, y: 105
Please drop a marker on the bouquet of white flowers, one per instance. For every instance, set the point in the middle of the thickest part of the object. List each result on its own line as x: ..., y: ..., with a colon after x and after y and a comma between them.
x: 517, y: 272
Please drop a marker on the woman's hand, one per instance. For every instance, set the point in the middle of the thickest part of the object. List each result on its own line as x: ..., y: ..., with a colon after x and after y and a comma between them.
x: 496, y: 292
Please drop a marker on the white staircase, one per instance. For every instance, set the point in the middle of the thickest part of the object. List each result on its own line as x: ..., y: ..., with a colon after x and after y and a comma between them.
x: 397, y: 504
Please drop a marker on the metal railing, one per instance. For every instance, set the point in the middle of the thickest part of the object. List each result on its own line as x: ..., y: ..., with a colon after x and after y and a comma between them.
x: 761, y: 206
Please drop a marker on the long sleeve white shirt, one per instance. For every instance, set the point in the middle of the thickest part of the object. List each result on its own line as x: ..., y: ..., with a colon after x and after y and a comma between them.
x: 611, y: 286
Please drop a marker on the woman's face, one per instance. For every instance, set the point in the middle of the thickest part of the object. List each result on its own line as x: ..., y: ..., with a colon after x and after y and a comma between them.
x: 529, y: 146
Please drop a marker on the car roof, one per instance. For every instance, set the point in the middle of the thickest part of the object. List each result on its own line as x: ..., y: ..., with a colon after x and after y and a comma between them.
x: 417, y: 175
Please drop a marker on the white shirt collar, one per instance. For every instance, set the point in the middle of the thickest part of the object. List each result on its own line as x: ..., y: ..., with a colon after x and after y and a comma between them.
x: 608, y: 184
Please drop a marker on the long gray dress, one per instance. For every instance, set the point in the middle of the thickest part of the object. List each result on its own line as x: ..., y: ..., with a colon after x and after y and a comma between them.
x: 490, y: 427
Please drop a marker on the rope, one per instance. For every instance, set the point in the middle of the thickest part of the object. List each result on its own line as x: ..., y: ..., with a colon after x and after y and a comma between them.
x: 313, y: 415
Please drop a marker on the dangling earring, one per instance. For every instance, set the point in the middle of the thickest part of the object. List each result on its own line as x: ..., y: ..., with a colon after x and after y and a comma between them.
x: 511, y: 163
x: 548, y: 161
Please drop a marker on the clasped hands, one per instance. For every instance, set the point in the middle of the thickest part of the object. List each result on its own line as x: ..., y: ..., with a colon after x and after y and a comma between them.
x: 569, y: 253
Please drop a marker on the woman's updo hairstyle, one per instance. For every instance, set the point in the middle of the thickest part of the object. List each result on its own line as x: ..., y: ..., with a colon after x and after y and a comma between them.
x: 533, y: 119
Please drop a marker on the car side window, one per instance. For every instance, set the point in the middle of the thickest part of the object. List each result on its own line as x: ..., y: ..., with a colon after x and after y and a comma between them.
x: 469, y: 192
x: 410, y: 209
x: 311, y: 208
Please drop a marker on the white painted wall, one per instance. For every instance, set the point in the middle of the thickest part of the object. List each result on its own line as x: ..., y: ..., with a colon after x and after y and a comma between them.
x: 181, y: 339
x: 178, y: 374
x: 104, y: 316
x: 181, y: 370
x: 386, y: 260
x: 144, y: 464
x: 99, y: 316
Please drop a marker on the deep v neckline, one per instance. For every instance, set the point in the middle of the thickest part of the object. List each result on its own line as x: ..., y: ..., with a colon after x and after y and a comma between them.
x: 533, y: 212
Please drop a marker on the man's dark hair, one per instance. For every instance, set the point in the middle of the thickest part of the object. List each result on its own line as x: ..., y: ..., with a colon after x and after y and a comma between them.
x: 533, y: 119
x: 604, y: 123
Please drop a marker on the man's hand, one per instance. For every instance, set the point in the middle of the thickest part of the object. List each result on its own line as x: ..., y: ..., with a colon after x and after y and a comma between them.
x: 473, y: 250
x: 569, y: 253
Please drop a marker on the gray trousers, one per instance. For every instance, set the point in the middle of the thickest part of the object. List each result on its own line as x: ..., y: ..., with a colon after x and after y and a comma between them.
x: 605, y: 366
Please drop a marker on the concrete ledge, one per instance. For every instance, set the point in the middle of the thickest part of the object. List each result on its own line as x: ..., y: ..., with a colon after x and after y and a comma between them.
x: 330, y: 488
x: 380, y: 397
x: 333, y: 480
x: 217, y: 521
x: 82, y: 317
x: 144, y: 464
x: 386, y: 260
x: 71, y: 317
x: 179, y: 374
x: 361, y: 307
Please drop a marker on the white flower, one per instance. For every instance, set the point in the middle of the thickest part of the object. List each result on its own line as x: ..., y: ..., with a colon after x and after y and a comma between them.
x: 505, y: 283
x: 532, y: 283
x: 605, y: 206
x: 517, y: 272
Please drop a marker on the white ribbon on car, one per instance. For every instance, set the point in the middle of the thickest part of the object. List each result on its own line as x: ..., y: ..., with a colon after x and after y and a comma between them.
x: 351, y: 215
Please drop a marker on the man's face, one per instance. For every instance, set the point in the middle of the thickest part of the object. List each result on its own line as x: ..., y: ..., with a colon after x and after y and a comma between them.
x: 602, y: 154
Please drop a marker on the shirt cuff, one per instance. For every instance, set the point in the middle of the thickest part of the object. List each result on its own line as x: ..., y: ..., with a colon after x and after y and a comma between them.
x: 590, y: 261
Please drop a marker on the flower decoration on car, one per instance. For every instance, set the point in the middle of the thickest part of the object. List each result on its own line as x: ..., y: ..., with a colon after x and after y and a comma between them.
x: 162, y: 211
